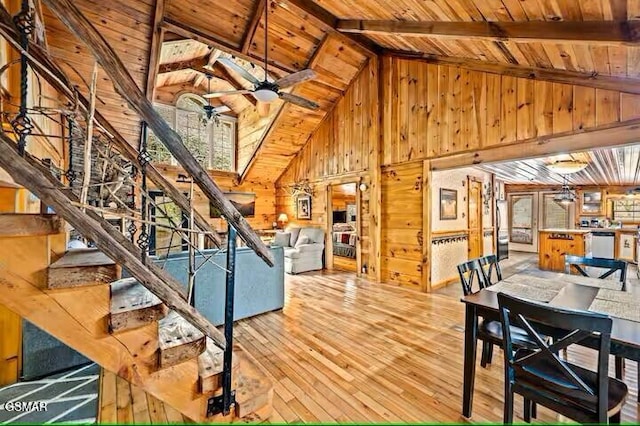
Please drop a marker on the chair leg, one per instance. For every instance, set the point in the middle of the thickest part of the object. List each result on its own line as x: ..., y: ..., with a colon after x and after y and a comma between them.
x: 619, y: 367
x: 487, y: 348
x: 508, y: 405
x: 527, y: 410
x: 490, y: 354
x: 534, y: 410
x: 638, y: 382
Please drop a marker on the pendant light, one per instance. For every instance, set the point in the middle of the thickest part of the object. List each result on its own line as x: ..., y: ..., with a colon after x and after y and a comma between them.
x: 566, y: 195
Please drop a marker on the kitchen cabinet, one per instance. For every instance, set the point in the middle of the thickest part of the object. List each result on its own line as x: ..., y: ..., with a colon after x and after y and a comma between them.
x: 555, y: 243
x: 591, y: 203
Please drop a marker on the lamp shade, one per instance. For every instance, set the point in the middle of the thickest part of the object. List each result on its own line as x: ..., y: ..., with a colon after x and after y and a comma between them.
x: 283, y: 218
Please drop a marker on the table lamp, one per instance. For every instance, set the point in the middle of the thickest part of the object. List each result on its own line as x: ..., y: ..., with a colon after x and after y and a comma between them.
x: 283, y: 219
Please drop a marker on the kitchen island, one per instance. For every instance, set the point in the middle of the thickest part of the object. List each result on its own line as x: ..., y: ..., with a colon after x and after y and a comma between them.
x: 555, y: 243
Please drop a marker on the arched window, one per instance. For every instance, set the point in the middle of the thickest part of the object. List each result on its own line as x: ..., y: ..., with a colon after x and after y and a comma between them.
x: 212, y: 142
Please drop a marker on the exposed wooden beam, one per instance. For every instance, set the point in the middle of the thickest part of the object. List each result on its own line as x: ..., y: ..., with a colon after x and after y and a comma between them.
x: 258, y: 11
x: 194, y: 64
x: 606, y: 82
x: 591, y: 32
x: 215, y: 41
x: 328, y: 22
x: 611, y: 135
x: 619, y: 10
x: 272, y: 126
x: 157, y: 36
x: 53, y: 74
x: 169, y: 37
x: 79, y: 25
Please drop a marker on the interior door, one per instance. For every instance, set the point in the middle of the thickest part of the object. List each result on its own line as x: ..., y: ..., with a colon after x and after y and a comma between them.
x: 474, y: 216
x: 523, y: 222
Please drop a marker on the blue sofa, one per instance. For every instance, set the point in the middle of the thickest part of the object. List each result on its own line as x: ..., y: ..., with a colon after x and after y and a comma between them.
x: 259, y: 288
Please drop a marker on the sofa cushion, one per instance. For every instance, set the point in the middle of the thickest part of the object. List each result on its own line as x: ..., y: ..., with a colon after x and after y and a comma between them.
x: 309, y: 248
x: 282, y: 239
x: 316, y: 235
x: 303, y: 239
x: 291, y: 253
x: 294, y: 235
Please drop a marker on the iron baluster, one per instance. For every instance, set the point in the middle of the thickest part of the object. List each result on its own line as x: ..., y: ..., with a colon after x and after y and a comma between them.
x: 22, y: 125
x: 71, y: 174
x: 144, y: 158
x: 223, y: 403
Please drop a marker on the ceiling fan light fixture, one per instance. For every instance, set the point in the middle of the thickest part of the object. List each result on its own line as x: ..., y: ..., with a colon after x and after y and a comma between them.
x: 265, y: 95
x: 566, y: 195
x: 565, y: 167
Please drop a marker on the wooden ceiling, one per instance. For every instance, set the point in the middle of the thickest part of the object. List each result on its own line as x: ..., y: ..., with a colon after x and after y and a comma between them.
x: 590, y: 40
x: 612, y: 166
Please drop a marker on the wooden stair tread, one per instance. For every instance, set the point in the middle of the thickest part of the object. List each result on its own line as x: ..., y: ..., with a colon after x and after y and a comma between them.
x: 82, y: 267
x: 178, y: 340
x: 210, y: 368
x: 26, y: 225
x: 254, y: 392
x: 82, y: 257
x: 132, y: 305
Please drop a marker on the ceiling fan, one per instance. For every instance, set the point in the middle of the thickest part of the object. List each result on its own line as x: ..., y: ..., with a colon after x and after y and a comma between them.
x: 266, y: 91
x: 212, y: 113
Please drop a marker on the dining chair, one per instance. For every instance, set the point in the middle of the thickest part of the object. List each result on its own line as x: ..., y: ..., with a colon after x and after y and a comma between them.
x: 491, y: 267
x: 542, y: 377
x: 611, y: 265
x: 473, y: 278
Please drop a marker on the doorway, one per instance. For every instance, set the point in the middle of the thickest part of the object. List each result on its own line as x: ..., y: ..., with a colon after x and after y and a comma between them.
x: 474, y: 215
x: 163, y: 240
x: 344, y: 226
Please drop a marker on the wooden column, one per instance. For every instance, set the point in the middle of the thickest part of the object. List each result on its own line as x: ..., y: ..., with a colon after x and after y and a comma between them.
x: 426, y: 227
x: 376, y: 139
x: 68, y: 13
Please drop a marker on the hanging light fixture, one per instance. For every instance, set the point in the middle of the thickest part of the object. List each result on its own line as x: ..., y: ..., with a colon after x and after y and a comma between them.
x: 209, y: 110
x: 566, y: 195
x: 565, y: 167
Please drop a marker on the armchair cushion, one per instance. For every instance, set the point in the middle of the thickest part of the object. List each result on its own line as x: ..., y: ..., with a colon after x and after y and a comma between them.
x: 310, y: 248
x: 303, y: 239
x: 282, y: 239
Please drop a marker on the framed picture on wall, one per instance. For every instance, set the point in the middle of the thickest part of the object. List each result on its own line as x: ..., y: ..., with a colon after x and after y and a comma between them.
x: 303, y: 204
x: 244, y: 202
x: 448, y: 204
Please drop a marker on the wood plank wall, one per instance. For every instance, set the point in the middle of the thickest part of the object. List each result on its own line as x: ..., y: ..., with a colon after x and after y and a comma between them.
x: 436, y: 110
x: 339, y: 152
x: 265, y: 197
x: 428, y: 111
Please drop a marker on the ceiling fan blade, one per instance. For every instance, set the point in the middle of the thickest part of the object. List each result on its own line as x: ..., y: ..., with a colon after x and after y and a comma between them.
x: 222, y: 108
x: 228, y: 93
x: 240, y: 70
x: 296, y: 78
x: 306, y: 103
x: 263, y: 108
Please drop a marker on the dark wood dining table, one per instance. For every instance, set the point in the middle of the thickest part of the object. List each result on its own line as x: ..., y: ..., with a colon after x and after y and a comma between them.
x: 625, y: 334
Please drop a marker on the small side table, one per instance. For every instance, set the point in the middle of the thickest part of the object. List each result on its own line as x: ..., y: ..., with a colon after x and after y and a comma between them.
x: 266, y: 235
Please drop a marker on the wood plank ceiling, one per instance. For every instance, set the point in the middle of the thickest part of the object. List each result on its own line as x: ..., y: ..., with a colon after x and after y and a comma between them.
x: 612, y: 166
x: 616, y: 59
x: 307, y: 33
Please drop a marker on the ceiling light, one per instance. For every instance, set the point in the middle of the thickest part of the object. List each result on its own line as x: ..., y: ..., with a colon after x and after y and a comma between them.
x: 566, y: 195
x: 265, y: 95
x: 565, y: 167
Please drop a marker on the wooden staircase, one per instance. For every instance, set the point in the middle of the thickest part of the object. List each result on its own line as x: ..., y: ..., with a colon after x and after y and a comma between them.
x: 78, y: 297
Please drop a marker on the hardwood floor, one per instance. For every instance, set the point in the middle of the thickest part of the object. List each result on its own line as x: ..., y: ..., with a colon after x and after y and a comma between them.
x: 348, y: 350
x: 344, y: 264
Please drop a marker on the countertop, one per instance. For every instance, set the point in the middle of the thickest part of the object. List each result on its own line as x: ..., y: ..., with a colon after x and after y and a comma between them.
x: 567, y: 231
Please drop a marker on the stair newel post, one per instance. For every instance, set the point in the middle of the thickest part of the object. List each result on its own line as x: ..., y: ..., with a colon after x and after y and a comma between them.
x: 21, y: 124
x: 223, y: 403
x: 144, y: 158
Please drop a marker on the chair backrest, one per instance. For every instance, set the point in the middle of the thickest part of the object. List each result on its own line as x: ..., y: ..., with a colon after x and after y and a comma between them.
x: 493, y: 269
x: 471, y: 273
x: 567, y: 327
x: 611, y: 265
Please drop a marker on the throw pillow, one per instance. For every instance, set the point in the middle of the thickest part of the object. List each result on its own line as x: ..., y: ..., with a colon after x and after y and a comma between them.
x: 303, y: 240
x: 294, y: 235
x: 282, y: 239
x: 315, y: 235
